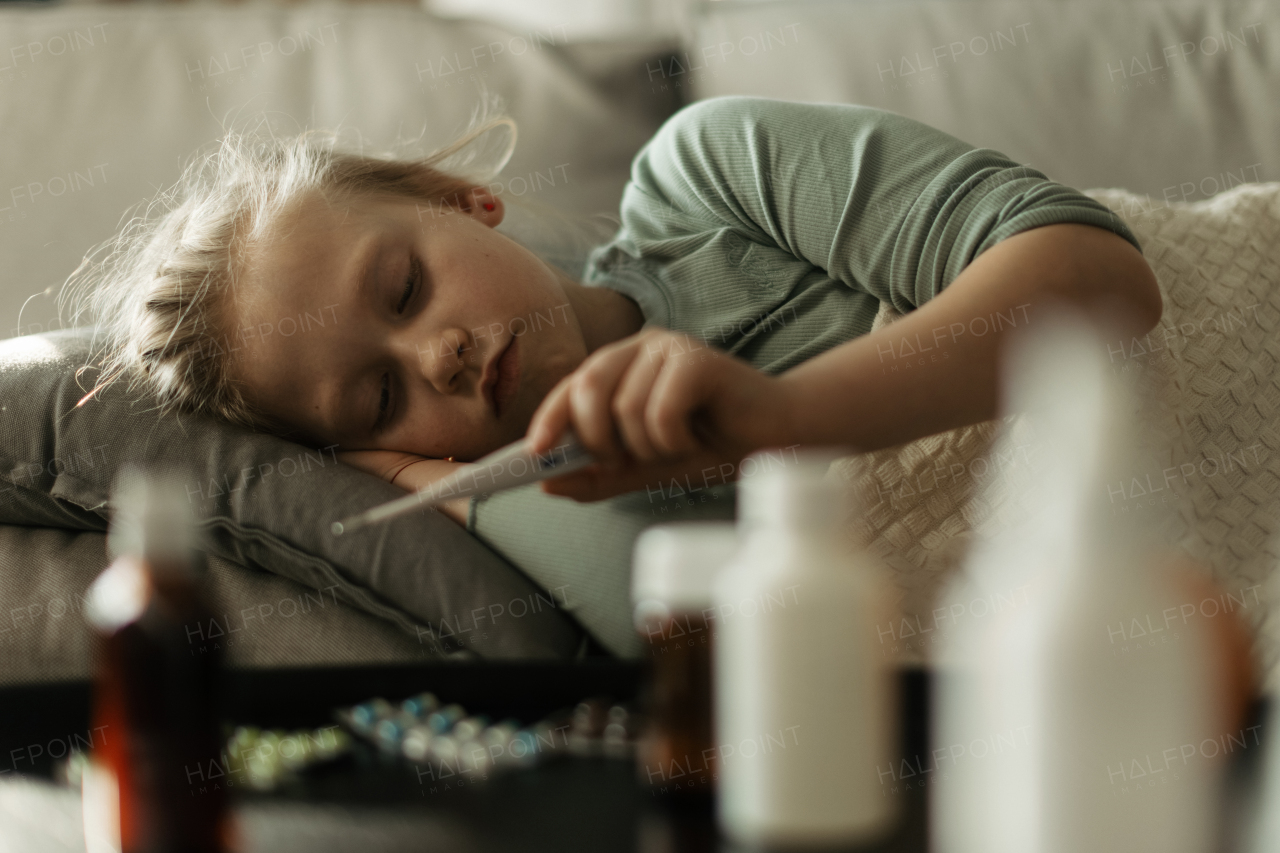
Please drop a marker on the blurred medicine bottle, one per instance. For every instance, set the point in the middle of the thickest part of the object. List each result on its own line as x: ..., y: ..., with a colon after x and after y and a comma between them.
x: 154, y: 784
x: 1084, y: 693
x: 673, y: 567
x: 806, y: 703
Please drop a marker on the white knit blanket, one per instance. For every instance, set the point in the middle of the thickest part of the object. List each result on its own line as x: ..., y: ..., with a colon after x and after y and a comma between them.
x: 1209, y: 380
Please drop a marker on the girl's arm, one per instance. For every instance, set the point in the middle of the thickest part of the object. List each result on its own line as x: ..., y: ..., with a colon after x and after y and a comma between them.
x: 937, y: 367
x: 410, y: 472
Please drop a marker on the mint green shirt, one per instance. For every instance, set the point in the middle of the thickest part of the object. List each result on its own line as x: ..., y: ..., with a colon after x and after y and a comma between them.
x: 773, y: 230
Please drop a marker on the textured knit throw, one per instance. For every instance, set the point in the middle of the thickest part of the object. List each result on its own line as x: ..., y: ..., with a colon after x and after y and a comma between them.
x: 1209, y: 377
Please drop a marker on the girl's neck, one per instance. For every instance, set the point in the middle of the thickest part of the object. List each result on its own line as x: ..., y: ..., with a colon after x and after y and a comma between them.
x: 605, y: 315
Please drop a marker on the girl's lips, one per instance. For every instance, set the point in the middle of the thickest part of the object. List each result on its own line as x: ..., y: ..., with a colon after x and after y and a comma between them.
x: 508, y: 376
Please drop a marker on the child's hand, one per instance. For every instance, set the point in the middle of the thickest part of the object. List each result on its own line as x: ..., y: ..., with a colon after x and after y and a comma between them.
x: 660, y: 404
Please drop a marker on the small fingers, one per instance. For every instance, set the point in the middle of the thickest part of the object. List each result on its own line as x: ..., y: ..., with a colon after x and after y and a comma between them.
x: 676, y: 393
x: 629, y: 405
x: 591, y: 398
x: 551, y: 418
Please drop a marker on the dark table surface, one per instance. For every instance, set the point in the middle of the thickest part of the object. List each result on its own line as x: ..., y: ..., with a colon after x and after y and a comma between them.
x: 378, y: 805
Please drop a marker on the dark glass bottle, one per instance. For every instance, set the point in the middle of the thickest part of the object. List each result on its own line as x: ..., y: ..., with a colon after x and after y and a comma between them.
x: 677, y: 752
x: 672, y: 569
x: 155, y: 781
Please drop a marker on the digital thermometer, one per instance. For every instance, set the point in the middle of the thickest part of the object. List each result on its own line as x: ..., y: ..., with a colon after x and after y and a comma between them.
x: 505, y: 468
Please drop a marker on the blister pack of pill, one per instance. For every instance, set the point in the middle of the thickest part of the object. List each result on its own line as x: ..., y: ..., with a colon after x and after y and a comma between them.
x: 450, y: 741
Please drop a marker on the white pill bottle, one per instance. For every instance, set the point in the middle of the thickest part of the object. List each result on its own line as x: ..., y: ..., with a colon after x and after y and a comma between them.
x: 806, y: 700
x: 1098, y: 707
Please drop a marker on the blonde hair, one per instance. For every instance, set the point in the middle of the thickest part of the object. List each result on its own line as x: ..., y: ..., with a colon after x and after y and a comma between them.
x: 155, y: 295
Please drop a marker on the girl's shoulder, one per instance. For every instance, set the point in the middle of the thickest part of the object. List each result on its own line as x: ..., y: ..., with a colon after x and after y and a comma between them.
x: 773, y: 134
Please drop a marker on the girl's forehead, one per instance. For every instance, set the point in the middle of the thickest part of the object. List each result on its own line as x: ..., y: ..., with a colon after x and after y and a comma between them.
x: 313, y: 233
x: 314, y: 213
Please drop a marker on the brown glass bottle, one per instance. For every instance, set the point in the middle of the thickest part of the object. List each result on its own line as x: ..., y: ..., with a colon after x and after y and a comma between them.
x: 672, y: 569
x: 156, y: 779
x: 677, y: 752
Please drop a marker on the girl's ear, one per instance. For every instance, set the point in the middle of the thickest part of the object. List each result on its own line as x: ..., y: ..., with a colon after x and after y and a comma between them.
x: 485, y: 206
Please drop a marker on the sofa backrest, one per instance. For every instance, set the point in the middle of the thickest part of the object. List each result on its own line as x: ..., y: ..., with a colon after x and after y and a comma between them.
x: 101, y: 105
x: 1176, y: 99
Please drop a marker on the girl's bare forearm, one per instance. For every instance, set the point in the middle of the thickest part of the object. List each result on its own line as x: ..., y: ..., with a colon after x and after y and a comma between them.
x: 937, y: 367
x: 427, y: 471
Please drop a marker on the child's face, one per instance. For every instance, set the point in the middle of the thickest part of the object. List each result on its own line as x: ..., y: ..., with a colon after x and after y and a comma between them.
x: 350, y: 362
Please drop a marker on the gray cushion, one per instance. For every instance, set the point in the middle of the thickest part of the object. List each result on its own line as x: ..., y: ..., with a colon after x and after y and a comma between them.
x: 262, y: 502
x: 258, y: 619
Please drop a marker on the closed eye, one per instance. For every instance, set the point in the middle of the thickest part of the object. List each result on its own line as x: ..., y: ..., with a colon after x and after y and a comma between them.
x: 384, y: 400
x: 415, y: 274
x: 384, y: 404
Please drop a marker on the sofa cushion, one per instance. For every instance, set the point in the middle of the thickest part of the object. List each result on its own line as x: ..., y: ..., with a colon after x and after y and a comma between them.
x: 262, y: 502
x: 256, y: 619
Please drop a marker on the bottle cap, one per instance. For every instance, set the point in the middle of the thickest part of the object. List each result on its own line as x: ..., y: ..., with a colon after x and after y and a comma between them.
x: 791, y: 486
x: 152, y: 518
x: 674, y: 564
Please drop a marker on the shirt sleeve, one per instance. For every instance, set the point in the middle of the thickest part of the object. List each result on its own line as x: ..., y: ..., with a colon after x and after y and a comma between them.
x: 885, y: 204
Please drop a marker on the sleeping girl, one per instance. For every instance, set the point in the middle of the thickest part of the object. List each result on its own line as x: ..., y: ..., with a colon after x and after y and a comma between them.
x: 731, y: 311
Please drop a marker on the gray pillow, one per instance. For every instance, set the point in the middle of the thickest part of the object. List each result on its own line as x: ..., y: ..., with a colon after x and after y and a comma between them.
x: 256, y: 619
x: 263, y: 502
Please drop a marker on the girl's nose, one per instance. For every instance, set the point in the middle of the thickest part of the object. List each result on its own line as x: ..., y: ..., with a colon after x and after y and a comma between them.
x: 442, y: 357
